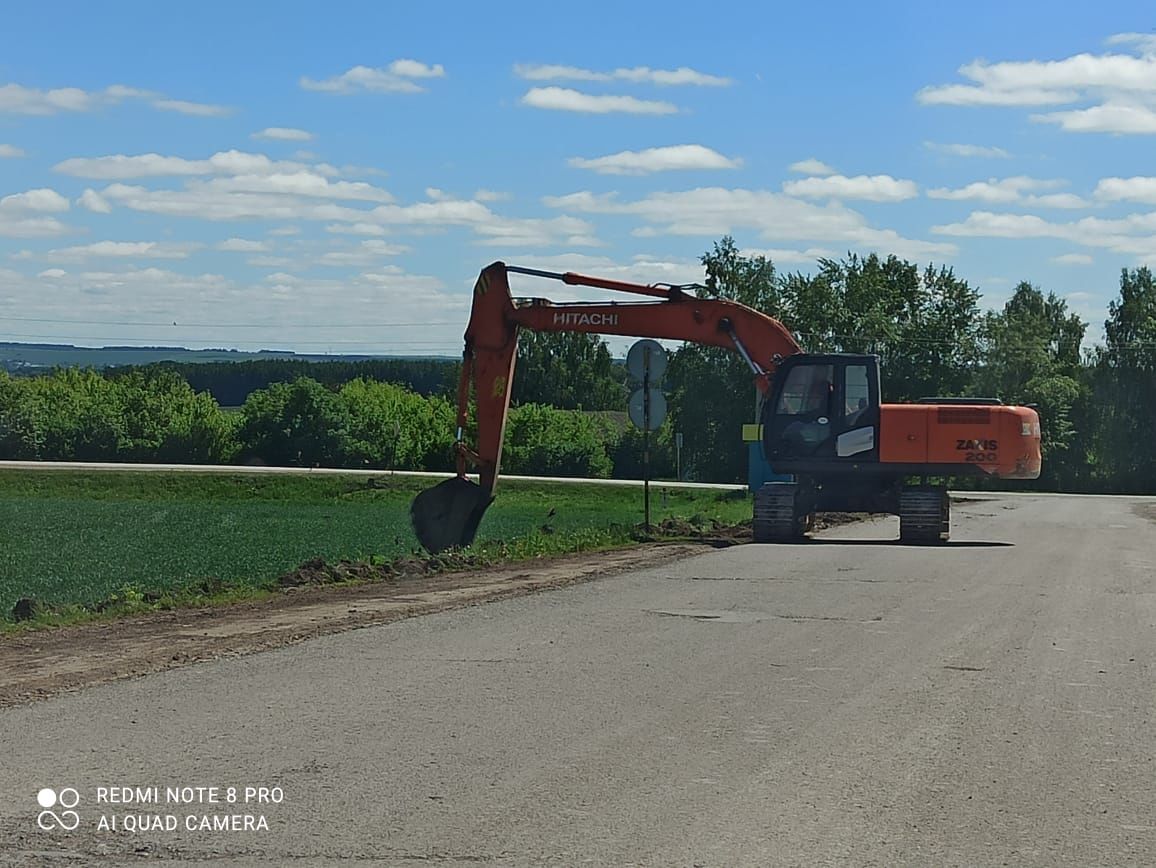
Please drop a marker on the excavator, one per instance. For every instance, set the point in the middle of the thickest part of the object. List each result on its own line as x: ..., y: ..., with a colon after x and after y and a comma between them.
x: 823, y: 423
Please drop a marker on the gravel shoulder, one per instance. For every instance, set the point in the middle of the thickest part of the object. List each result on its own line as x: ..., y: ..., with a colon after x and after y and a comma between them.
x: 42, y: 663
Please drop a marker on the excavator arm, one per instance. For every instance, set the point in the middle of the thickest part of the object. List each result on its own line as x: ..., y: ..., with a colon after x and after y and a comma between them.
x: 448, y: 514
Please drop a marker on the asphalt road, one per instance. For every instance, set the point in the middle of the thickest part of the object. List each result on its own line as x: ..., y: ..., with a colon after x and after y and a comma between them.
x: 843, y: 702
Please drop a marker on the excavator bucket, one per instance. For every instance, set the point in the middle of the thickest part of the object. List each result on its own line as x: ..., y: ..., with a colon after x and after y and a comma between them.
x: 447, y: 515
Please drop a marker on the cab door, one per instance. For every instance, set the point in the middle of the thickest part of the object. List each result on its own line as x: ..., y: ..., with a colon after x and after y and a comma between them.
x: 857, y: 425
x: 823, y: 409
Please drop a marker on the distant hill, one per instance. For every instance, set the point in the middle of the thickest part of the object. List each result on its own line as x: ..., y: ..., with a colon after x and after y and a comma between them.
x: 25, y: 358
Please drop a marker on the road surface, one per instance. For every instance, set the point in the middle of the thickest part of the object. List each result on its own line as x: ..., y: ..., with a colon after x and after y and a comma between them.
x: 843, y: 702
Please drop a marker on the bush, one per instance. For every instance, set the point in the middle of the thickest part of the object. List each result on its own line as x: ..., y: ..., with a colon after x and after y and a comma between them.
x: 544, y: 441
x: 294, y: 424
x: 391, y: 427
x: 78, y: 415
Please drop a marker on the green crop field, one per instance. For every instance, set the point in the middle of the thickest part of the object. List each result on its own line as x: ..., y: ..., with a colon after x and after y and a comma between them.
x: 77, y: 539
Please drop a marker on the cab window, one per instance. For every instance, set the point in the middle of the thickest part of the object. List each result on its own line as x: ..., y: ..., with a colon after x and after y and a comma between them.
x: 807, y: 390
x: 855, y: 390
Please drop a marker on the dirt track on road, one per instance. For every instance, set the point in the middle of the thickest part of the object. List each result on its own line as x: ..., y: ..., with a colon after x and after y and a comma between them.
x: 42, y: 663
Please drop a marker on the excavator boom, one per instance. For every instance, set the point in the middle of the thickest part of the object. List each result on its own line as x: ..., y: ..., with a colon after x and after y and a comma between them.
x: 448, y: 515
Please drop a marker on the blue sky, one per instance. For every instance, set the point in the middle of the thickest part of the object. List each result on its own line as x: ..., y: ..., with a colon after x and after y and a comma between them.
x: 331, y: 177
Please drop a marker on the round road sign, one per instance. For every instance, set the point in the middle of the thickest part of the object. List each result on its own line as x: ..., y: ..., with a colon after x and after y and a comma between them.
x: 646, y: 353
x: 637, y: 409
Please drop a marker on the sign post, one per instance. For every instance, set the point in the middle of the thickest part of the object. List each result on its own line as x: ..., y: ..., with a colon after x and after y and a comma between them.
x: 646, y: 362
x: 646, y: 438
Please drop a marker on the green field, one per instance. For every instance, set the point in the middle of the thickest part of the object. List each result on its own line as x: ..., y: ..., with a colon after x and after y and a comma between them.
x: 80, y: 539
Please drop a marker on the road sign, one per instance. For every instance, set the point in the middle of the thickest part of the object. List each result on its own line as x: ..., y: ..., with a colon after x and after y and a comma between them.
x: 646, y: 353
x: 637, y: 409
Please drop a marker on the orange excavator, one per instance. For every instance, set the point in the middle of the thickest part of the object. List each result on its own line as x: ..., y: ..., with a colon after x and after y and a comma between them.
x: 822, y: 419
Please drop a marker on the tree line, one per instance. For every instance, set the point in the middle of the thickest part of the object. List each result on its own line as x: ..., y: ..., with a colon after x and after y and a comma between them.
x: 1097, y: 407
x: 156, y: 416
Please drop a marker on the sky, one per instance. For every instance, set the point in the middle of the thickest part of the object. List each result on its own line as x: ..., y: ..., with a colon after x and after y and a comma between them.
x: 330, y: 178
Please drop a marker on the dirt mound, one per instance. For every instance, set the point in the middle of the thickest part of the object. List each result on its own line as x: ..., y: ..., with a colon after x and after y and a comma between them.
x: 318, y: 572
x: 678, y: 527
x: 824, y: 520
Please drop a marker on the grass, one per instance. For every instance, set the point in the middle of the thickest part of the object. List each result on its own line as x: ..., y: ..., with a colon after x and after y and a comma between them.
x: 82, y: 543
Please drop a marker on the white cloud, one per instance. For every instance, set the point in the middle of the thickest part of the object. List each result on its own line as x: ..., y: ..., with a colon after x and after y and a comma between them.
x: 284, y: 134
x: 484, y: 195
x: 53, y: 273
x: 119, y: 167
x: 270, y: 198
x: 122, y: 250
x: 1145, y: 41
x: 565, y: 99
x: 243, y: 245
x: 41, y: 200
x: 17, y: 99
x: 992, y: 225
x: 1135, y: 189
x: 536, y: 232
x: 1108, y: 118
x: 811, y: 167
x: 398, y: 77
x: 959, y: 150
x: 873, y: 188
x: 1134, y: 234
x: 356, y: 229
x: 345, y: 313
x: 416, y: 69
x: 207, y: 203
x: 366, y: 253
x: 1073, y: 259
x: 965, y: 95
x: 9, y: 152
x: 1057, y: 200
x: 642, y: 74
x: 297, y: 184
x: 22, y: 214
x: 91, y: 200
x: 31, y: 227
x: 671, y: 157
x: 715, y: 211
x: 782, y: 256
x: 198, y: 109
x: 1122, y: 86
x: 995, y: 190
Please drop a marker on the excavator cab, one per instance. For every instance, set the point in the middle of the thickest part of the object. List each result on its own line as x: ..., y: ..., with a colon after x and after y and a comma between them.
x: 822, y: 409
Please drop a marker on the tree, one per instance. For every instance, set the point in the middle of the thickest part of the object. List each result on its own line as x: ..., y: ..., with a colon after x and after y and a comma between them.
x: 1125, y: 386
x: 922, y: 325
x: 392, y: 427
x: 711, y: 390
x: 546, y: 441
x: 1031, y: 355
x: 76, y: 414
x: 298, y: 423
x: 568, y: 370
